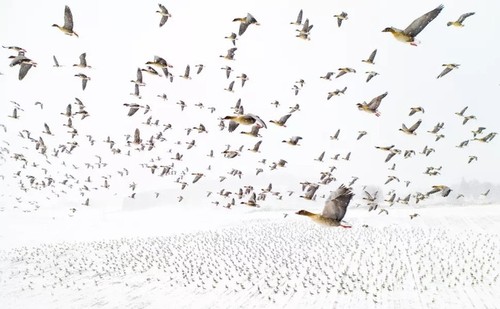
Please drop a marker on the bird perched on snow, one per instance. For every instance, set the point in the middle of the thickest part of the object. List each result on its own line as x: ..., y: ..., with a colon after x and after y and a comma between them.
x: 334, y: 210
x: 460, y: 20
x: 448, y: 68
x: 408, y: 35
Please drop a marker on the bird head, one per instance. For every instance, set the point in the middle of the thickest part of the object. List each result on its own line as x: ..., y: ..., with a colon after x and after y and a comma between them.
x: 449, y: 23
x: 388, y: 29
x: 304, y: 213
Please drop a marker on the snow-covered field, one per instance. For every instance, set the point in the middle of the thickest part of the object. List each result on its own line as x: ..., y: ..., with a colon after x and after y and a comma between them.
x: 178, y: 257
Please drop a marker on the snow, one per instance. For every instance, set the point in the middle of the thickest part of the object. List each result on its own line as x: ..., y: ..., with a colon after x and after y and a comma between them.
x: 194, y: 257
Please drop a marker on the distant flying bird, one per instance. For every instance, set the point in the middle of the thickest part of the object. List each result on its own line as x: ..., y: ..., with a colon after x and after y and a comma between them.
x: 334, y: 210
x: 200, y: 68
x: 341, y: 17
x: 361, y: 134
x: 311, y: 191
x: 460, y: 20
x: 408, y: 35
x: 282, y: 121
x: 245, y: 22
x: 372, y: 107
x: 56, y: 63
x: 232, y: 37
x: 305, y: 31
x: 461, y: 113
x: 67, y: 28
x: 186, y: 73
x: 412, y: 129
x: 298, y: 21
x: 247, y: 119
x: 447, y: 69
x: 294, y: 140
x: 83, y: 62
x: 371, y: 58
x: 445, y: 190
x: 417, y: 109
x: 343, y: 71
x: 84, y: 78
x: 371, y: 74
x: 230, y: 54
x: 164, y: 14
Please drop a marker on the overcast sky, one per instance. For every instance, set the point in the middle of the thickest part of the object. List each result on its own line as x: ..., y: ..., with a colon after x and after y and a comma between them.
x: 120, y: 37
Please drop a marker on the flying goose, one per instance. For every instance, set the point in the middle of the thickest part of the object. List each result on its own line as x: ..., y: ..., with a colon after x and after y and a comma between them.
x: 67, y: 28
x: 334, y: 210
x: 408, y: 35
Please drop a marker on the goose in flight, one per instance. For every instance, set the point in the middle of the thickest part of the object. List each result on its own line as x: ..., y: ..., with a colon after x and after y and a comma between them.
x: 372, y: 107
x: 245, y: 22
x: 246, y: 119
x: 371, y: 58
x: 341, y: 17
x: 83, y: 62
x: 67, y: 28
x: 460, y: 20
x: 298, y: 21
x: 334, y: 210
x: 448, y: 68
x: 164, y: 14
x: 412, y: 129
x: 408, y: 35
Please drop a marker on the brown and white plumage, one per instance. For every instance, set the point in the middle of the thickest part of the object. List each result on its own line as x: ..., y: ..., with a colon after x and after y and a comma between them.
x: 335, y: 208
x: 67, y: 28
x: 409, y: 33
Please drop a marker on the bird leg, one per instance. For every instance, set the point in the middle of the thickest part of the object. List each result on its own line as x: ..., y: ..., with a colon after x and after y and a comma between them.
x: 377, y: 114
x: 345, y: 226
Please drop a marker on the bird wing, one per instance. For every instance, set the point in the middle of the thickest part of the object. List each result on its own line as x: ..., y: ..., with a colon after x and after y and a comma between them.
x: 23, y: 70
x: 186, y: 72
x: 420, y: 23
x: 283, y: 119
x: 84, y: 83
x: 83, y: 61
x: 259, y: 121
x: 372, y: 55
x: 243, y: 27
x: 415, y: 126
x: 336, y: 205
x: 55, y: 60
x: 68, y: 18
x: 137, y: 136
x: 232, y: 125
x: 375, y: 102
x: 299, y: 18
x: 464, y: 16
x: 132, y: 111
x: 444, y: 72
x: 389, y: 156
x: 163, y: 20
x: 139, y: 75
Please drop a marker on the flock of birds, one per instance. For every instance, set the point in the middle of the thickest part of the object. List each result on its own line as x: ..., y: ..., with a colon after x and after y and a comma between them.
x: 41, y: 171
x: 262, y: 264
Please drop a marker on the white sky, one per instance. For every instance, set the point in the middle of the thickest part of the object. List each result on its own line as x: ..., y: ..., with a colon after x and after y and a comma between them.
x: 119, y: 37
